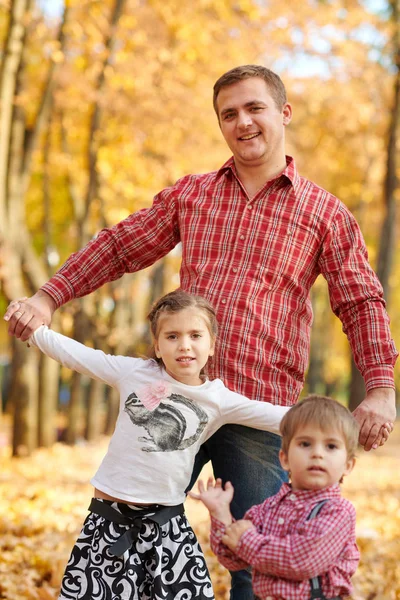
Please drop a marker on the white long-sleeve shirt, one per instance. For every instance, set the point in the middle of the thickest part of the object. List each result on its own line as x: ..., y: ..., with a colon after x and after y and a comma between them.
x: 151, y: 453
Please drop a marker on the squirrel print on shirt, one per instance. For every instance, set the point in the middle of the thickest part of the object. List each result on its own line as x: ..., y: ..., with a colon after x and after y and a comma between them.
x: 166, y: 425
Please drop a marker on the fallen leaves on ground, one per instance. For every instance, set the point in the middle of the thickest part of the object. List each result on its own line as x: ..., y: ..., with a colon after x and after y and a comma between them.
x: 44, y: 499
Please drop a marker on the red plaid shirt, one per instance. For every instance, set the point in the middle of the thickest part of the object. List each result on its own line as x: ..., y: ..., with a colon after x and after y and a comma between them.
x: 285, y: 550
x: 256, y: 261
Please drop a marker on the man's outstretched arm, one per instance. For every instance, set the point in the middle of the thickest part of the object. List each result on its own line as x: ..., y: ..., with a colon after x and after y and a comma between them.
x: 133, y: 244
x: 356, y: 297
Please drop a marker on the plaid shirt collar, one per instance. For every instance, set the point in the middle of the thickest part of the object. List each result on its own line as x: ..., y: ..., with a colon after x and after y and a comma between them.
x: 306, y: 496
x: 290, y: 172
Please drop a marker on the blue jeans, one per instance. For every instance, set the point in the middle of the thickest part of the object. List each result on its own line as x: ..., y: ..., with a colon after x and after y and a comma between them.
x: 248, y: 458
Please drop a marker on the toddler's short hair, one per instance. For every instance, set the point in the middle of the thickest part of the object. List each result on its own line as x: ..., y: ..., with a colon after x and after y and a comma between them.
x: 325, y: 413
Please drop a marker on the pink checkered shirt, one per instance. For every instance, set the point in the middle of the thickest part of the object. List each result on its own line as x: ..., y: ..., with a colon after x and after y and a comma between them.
x: 285, y: 550
x: 256, y: 261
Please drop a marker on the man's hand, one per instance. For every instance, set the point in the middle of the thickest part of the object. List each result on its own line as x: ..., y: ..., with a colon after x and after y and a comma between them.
x: 27, y: 314
x: 376, y: 415
x: 216, y: 499
x: 234, y: 532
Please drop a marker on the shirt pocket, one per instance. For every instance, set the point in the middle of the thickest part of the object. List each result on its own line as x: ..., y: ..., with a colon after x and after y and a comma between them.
x: 290, y: 257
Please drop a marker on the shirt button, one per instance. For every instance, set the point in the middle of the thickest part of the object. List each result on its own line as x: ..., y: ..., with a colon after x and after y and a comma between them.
x: 281, y: 521
x: 242, y: 237
x: 249, y: 206
x: 234, y: 269
x: 292, y: 497
x: 223, y: 300
x: 269, y: 598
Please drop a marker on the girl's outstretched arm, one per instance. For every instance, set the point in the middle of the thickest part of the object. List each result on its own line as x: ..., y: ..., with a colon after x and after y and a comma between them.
x: 238, y: 409
x: 70, y: 353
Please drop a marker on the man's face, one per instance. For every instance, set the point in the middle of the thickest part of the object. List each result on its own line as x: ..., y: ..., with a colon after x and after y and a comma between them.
x: 252, y: 124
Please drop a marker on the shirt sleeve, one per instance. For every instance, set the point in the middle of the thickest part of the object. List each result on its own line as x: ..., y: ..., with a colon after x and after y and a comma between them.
x: 133, y: 244
x: 238, y: 409
x: 356, y: 297
x: 226, y: 557
x: 94, y: 363
x: 313, y: 549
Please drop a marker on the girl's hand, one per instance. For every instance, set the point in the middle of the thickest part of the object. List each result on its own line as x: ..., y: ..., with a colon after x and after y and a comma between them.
x: 234, y: 532
x: 383, y: 435
x: 216, y: 498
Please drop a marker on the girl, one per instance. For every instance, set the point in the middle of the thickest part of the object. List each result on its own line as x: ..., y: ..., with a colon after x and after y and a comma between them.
x: 136, y: 543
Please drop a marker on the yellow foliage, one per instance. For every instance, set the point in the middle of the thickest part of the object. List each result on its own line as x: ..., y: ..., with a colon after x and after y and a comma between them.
x: 156, y: 121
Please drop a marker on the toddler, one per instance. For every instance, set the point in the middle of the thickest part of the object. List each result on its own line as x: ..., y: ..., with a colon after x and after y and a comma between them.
x: 301, y: 542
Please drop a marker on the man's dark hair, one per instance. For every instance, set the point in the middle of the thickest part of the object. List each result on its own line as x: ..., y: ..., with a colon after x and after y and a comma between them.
x: 272, y: 80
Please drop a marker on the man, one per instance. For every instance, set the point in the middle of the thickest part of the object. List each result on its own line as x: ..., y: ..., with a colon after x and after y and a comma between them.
x: 255, y: 235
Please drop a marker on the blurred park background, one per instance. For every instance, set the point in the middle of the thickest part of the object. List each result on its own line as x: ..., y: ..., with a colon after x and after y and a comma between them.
x: 104, y: 103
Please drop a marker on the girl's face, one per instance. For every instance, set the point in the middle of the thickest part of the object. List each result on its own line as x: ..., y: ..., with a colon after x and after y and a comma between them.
x: 316, y: 458
x: 184, y: 344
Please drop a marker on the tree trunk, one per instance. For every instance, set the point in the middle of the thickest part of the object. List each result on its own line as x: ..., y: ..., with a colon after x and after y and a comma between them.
x: 49, y: 375
x: 82, y: 203
x: 316, y: 381
x: 315, y: 362
x: 113, y: 400
x: 95, y: 406
x: 388, y: 230
x: 73, y: 431
x: 24, y: 398
x: 157, y: 284
x: 10, y: 66
x: 23, y: 272
x: 357, y: 387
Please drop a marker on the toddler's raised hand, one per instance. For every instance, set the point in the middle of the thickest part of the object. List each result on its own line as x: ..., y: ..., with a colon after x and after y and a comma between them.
x: 216, y: 498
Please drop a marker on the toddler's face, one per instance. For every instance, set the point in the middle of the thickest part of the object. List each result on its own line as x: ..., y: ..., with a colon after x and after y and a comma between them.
x: 316, y: 459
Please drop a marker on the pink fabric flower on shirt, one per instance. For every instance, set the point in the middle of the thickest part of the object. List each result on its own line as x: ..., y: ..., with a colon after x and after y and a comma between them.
x: 152, y: 394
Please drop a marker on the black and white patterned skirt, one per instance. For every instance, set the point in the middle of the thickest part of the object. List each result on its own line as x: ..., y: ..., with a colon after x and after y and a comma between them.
x: 164, y: 562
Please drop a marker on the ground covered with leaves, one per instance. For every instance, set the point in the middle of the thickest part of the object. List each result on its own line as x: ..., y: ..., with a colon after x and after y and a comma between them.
x: 44, y: 499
